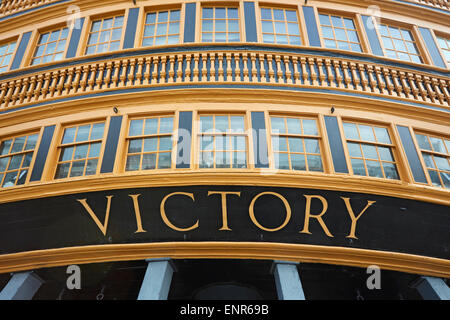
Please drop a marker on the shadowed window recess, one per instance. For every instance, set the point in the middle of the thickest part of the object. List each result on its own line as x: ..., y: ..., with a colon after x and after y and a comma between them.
x: 222, y: 141
x: 15, y: 159
x: 105, y: 35
x: 161, y: 27
x: 436, y: 156
x: 339, y: 32
x: 51, y: 46
x: 80, y: 150
x: 150, y: 144
x: 371, y: 151
x: 399, y: 43
x: 295, y: 144
x: 6, y: 52
x: 280, y: 26
x: 220, y: 24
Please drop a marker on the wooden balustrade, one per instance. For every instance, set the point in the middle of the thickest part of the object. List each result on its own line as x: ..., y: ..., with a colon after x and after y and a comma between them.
x: 8, y: 7
x: 226, y: 67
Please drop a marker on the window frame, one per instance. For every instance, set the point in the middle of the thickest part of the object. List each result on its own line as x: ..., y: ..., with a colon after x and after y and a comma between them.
x: 8, y: 42
x: 437, y: 35
x: 126, y: 138
x: 319, y: 137
x: 414, y: 33
x: 157, y: 8
x: 27, y: 133
x: 58, y: 146
x: 226, y: 4
x: 394, y: 148
x: 82, y: 48
x: 356, y: 18
x: 429, y: 182
x: 246, y: 133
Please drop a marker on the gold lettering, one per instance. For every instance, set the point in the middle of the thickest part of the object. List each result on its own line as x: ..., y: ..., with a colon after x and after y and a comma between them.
x: 164, y: 216
x: 103, y: 227
x: 137, y: 212
x: 308, y: 214
x: 352, y: 215
x: 252, y: 213
x: 223, y: 195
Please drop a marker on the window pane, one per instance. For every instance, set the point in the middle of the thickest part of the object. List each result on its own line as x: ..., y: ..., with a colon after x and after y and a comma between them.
x: 279, y: 144
x: 149, y: 161
x: 135, y: 146
x: 62, y: 171
x: 358, y: 167
x: 423, y: 142
x: 295, y: 144
x: 370, y: 152
x: 133, y: 163
x: 298, y: 161
x: 312, y: 146
x: 83, y: 133
x: 77, y: 169
x: 385, y: 154
x: 366, y: 133
x: 436, y: 143
x: 434, y: 176
x: 150, y: 144
x: 81, y: 151
x: 136, y: 127
x: 18, y: 145
x: 350, y: 131
x: 278, y: 125
x: 281, y: 161
x: 206, y: 124
x: 442, y: 163
x: 354, y: 150
x: 374, y: 169
x: 294, y: 126
x: 390, y: 171
x: 314, y: 163
x: 91, y: 167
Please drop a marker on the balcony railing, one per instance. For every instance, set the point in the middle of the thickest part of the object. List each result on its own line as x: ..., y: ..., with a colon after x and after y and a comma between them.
x: 8, y: 7
x: 248, y: 68
x: 440, y: 4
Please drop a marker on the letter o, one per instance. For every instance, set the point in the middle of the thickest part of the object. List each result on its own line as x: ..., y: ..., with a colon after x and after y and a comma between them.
x: 252, y: 213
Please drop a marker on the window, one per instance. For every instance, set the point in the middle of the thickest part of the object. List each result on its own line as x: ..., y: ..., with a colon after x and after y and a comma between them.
x: 295, y: 144
x: 399, y: 43
x: 79, y: 152
x: 339, y: 32
x: 15, y: 159
x: 220, y: 24
x: 161, y: 27
x: 370, y: 150
x: 444, y: 44
x: 150, y: 144
x: 51, y: 46
x: 222, y: 141
x: 436, y: 155
x: 6, y: 52
x: 105, y: 35
x: 280, y: 26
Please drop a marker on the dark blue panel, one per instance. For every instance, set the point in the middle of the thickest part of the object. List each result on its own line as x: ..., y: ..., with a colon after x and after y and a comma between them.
x: 432, y: 47
x: 411, y: 154
x: 336, y: 147
x: 41, y: 156
x: 20, y: 51
x: 189, y: 23
x: 372, y: 35
x: 260, y: 148
x: 75, y: 38
x: 130, y: 32
x: 112, y: 139
x: 250, y: 22
x: 184, y: 140
x: 311, y: 26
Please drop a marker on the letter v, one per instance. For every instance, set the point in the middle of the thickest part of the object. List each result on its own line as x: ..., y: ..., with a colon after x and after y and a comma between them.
x: 102, y: 227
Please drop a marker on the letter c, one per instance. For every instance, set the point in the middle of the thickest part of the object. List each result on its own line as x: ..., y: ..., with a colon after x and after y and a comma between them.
x: 164, y: 216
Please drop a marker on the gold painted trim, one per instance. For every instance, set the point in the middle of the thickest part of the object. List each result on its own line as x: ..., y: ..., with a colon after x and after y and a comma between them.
x: 402, y: 262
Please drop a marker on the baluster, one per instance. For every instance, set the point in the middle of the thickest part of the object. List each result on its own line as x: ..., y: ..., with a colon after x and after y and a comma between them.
x: 380, y: 80
x: 123, y: 74
x: 115, y: 76
x: 187, y: 72
x: 83, y: 81
x: 279, y: 70
x: 15, y: 95
x: 180, y: 59
x: 422, y: 90
x: 287, y: 69
x: 229, y: 69
x: 204, y: 72
x: 270, y: 69
x: 356, y: 79
x: 262, y: 68
x: 412, y: 84
x: 347, y: 79
x: 139, y: 71
x: 30, y: 91
x: 68, y: 83
x: 364, y: 81
x: 389, y: 85
x: 296, y: 72
x: 221, y: 71
x: 444, y: 89
x: 212, y: 70
x: 372, y: 80
x: 254, y: 71
x: 155, y: 70
x: 330, y: 73
x: 246, y: 70
x: 237, y: 69
x: 431, y: 93
x: 313, y: 71
x: 163, y: 73
x: 3, y: 92
x: 304, y: 72
x: 339, y: 79
x: 196, y: 70
x: 10, y: 93
x: 23, y: 91
x: 437, y: 90
x: 171, y: 68
x: 37, y: 90
x: 62, y: 78
x: 54, y: 82
x: 397, y: 86
x: 46, y: 85
x: 91, y: 81
x: 406, y: 88
x: 148, y: 66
